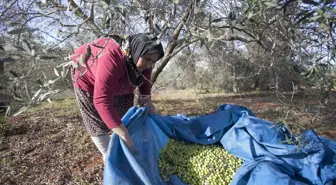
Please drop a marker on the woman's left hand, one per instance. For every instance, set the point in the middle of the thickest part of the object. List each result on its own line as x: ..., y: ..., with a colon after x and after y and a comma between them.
x: 150, y: 104
x: 147, y: 102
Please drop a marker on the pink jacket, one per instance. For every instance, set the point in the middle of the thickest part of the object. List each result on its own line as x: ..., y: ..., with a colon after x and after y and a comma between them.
x: 106, y: 78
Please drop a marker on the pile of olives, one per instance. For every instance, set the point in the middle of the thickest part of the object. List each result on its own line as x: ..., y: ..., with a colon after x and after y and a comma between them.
x: 198, y: 164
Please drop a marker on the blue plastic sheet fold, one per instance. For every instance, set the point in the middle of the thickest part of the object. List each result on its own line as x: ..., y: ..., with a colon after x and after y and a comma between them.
x: 270, y: 152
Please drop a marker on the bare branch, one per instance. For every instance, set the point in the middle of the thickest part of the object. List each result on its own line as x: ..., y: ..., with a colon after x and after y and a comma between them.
x: 177, y: 50
x: 171, y: 45
x: 27, y: 89
x: 234, y: 37
x: 244, y: 30
x: 31, y: 4
x: 44, y: 32
x: 91, y: 16
x: 180, y: 25
x: 66, y: 38
x: 79, y: 12
x: 9, y: 6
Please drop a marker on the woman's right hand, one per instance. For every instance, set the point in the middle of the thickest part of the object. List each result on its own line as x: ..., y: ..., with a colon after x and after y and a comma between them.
x: 129, y: 143
x: 125, y: 136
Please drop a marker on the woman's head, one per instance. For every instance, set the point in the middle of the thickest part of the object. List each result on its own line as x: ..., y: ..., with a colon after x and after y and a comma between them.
x: 145, y: 50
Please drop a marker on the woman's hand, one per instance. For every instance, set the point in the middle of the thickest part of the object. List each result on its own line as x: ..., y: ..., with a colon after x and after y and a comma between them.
x: 129, y: 143
x: 122, y: 132
x: 147, y: 101
x: 151, y: 106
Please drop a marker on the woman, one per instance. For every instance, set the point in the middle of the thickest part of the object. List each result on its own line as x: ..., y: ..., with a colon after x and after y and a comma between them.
x: 104, y: 88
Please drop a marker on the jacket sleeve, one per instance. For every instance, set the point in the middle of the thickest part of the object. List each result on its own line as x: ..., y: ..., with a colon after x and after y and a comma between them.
x: 106, y: 86
x: 146, y: 87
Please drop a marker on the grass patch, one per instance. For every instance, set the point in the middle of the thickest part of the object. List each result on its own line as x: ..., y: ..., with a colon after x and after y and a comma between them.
x: 55, y: 104
x: 64, y: 107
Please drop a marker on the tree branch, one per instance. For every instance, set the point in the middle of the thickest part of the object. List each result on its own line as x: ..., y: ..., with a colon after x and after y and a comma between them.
x: 236, y: 37
x: 177, y: 50
x: 66, y: 38
x: 91, y: 16
x: 87, y: 19
x: 238, y: 29
x: 30, y: 5
x: 8, y: 7
x: 179, y: 27
x: 171, y: 45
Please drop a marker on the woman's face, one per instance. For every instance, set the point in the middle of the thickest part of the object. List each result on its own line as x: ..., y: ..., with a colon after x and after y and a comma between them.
x: 147, y: 61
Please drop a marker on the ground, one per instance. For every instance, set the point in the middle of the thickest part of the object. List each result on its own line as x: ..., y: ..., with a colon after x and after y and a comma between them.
x: 48, y: 145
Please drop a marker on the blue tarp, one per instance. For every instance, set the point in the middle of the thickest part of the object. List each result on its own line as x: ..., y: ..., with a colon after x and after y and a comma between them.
x: 267, y: 159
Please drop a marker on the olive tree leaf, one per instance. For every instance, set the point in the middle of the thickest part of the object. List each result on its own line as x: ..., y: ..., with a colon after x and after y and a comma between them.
x: 12, y: 23
x: 197, y: 10
x: 87, y: 54
x: 56, y: 72
x: 48, y: 94
x: 14, y: 74
x: 74, y: 64
x: 12, y: 58
x: 36, y: 94
x: 18, y: 31
x: 21, y: 111
x: 43, y: 57
x: 64, y: 71
x: 7, y: 59
x: 270, y: 4
x: 315, y: 18
x: 49, y: 82
x: 310, y: 2
x: 218, y: 20
x: 324, y: 27
x: 33, y: 52
x: 10, y: 47
x: 39, y: 82
x: 26, y: 46
x: 76, y: 31
x: 81, y: 60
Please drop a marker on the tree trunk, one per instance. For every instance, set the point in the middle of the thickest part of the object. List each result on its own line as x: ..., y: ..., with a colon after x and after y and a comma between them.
x: 169, y: 53
x: 234, y: 82
x: 2, y: 68
x: 155, y: 74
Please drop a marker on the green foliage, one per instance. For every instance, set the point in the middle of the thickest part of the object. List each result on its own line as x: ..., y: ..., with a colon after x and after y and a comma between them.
x: 28, y: 73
